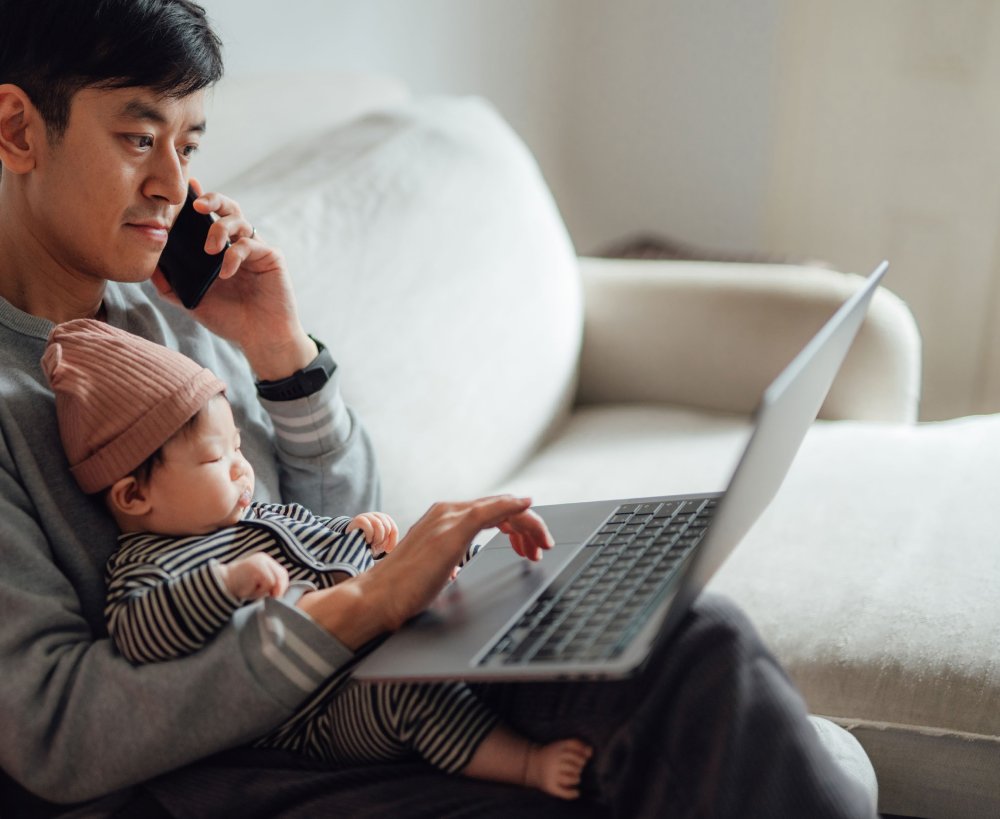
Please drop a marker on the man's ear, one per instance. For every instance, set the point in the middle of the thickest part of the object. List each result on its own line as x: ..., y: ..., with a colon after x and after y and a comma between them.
x: 21, y: 128
x: 128, y: 497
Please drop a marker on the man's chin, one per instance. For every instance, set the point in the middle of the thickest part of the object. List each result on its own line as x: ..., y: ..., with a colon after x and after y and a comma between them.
x: 132, y: 264
x: 132, y: 274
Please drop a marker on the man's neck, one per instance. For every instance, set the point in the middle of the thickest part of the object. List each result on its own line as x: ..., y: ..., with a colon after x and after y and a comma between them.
x: 34, y: 282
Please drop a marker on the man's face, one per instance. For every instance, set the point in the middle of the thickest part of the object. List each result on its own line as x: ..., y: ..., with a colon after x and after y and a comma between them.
x: 103, y: 196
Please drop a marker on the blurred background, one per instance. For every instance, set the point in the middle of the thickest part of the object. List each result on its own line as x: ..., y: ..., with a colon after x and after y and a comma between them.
x: 842, y: 131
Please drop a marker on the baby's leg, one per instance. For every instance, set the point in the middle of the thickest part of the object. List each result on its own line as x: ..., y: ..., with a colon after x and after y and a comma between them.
x: 450, y: 728
x: 555, y: 768
x: 444, y: 724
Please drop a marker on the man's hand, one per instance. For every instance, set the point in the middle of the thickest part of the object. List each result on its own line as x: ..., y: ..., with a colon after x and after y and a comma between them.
x: 254, y: 576
x: 379, y: 529
x: 252, y: 303
x: 523, y: 532
x: 405, y: 582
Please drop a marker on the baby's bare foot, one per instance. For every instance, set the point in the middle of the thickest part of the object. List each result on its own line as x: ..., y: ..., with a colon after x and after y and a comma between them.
x: 556, y: 768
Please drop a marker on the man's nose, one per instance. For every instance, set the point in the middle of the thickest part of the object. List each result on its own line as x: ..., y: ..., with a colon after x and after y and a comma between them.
x: 168, y: 180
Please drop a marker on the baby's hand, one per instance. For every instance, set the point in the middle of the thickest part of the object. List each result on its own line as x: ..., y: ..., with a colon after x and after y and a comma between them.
x: 254, y: 576
x: 380, y: 531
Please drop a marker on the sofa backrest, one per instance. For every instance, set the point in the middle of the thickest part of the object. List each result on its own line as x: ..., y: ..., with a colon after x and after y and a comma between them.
x: 429, y: 256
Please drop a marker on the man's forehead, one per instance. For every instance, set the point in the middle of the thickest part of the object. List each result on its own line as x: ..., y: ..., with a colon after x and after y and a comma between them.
x: 150, y: 106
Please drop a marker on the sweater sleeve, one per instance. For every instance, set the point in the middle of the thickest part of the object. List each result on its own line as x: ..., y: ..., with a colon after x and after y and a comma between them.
x: 326, y: 459
x: 64, y: 693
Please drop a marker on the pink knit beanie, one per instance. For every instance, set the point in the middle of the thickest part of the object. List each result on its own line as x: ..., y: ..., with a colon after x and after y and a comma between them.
x: 119, y: 397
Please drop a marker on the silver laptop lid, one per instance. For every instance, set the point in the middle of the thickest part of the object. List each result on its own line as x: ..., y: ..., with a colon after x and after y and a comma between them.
x: 786, y: 410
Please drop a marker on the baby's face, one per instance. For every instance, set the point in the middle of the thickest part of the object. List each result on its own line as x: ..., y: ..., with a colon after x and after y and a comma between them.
x: 204, y: 483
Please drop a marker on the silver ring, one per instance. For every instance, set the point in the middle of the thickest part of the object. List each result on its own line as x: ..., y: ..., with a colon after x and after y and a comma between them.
x: 253, y: 232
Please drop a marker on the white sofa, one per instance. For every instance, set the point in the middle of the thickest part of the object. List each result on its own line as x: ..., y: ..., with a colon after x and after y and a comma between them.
x: 484, y: 354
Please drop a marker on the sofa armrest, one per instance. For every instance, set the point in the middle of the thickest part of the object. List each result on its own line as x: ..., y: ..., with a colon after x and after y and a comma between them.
x: 713, y: 335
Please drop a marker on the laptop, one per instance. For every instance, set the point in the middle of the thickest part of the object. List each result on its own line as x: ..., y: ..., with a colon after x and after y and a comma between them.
x: 622, y: 573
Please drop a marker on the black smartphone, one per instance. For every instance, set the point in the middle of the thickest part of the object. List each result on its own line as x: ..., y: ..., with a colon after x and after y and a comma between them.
x: 184, y: 262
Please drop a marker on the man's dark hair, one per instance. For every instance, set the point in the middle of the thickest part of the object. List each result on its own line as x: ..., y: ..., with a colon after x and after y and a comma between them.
x: 54, y: 48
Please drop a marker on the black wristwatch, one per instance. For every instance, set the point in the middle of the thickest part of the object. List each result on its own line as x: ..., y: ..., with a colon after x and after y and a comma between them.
x: 307, y: 381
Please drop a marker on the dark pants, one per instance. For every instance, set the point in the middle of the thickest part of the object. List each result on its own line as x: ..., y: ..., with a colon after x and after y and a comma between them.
x: 713, y: 727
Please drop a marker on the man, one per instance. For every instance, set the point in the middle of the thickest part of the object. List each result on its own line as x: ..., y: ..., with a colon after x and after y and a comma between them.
x: 100, y: 116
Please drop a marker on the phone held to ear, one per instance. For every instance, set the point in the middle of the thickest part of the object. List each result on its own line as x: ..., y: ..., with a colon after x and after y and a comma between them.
x: 189, y: 270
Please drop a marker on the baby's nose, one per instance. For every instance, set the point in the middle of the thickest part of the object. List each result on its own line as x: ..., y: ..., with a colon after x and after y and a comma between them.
x: 239, y: 467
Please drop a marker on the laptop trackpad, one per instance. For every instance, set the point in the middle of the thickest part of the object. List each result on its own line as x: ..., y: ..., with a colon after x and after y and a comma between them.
x: 444, y: 640
x: 502, y: 581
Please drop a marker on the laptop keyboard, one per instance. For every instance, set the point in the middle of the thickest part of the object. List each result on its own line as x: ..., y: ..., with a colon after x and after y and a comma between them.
x: 603, y: 597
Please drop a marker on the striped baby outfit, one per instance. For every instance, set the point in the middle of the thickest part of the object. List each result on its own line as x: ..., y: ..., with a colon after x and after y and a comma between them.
x: 166, y: 600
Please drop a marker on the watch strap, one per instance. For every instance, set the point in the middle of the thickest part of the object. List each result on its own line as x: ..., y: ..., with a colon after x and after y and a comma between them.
x: 302, y: 383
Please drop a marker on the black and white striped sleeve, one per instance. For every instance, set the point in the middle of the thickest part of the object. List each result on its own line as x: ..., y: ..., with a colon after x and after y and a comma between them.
x: 153, y: 616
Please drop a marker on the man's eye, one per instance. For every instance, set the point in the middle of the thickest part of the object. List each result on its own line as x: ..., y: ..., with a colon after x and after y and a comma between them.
x: 141, y: 140
x: 187, y: 151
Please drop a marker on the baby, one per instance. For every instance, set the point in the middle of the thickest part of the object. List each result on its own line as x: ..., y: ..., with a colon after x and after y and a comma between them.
x: 152, y: 430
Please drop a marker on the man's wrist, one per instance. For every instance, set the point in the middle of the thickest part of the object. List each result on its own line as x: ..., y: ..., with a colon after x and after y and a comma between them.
x: 305, y: 381
x: 345, y: 612
x: 273, y: 361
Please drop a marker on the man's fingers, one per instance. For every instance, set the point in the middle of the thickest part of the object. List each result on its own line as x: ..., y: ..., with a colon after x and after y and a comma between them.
x: 236, y: 254
x: 512, y: 515
x: 465, y: 519
x: 525, y: 547
x: 490, y: 512
x: 218, y: 236
x: 214, y: 202
x: 530, y: 523
x: 230, y: 226
x: 528, y: 534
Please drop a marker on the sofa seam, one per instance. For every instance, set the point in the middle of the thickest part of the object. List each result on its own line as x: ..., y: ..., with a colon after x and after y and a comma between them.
x: 851, y: 723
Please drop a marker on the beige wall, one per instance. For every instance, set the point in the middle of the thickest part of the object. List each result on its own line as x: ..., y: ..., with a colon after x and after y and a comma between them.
x: 846, y: 130
x: 887, y: 143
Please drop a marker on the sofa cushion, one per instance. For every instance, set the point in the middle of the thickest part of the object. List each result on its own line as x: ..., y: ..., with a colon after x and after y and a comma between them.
x: 632, y: 450
x: 872, y: 575
x: 429, y: 256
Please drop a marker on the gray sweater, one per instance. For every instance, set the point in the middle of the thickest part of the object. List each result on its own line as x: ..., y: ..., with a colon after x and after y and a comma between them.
x: 77, y: 720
